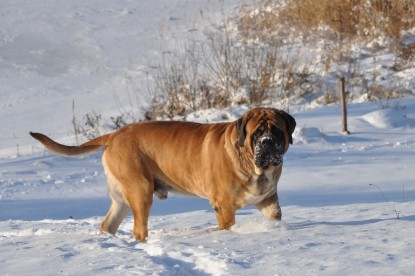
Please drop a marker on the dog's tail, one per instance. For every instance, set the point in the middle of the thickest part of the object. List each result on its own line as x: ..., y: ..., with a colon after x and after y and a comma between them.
x: 86, y: 148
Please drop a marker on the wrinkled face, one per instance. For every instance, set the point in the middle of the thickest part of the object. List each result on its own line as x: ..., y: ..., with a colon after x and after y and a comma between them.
x: 268, y: 145
x: 266, y: 133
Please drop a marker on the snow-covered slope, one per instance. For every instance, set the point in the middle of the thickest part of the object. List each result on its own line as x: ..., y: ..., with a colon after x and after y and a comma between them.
x: 96, y: 54
x: 347, y: 200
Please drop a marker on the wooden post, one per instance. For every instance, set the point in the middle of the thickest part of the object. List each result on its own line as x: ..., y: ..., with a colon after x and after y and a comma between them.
x: 343, y: 105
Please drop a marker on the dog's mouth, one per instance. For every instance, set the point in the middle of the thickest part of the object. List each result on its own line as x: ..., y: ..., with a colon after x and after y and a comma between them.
x: 268, y: 151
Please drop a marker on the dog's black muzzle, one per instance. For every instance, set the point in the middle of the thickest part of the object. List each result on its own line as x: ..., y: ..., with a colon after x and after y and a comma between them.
x: 268, y: 151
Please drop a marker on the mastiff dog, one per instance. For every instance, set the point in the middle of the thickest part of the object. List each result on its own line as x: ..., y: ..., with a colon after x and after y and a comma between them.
x: 231, y: 164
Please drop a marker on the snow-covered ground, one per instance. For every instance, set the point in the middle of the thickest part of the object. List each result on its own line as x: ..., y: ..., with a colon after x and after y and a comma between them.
x: 347, y: 200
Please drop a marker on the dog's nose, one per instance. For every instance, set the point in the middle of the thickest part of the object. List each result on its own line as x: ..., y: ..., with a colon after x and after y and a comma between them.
x: 267, y: 140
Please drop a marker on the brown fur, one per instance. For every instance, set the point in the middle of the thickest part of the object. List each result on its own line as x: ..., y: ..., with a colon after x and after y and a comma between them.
x: 212, y: 161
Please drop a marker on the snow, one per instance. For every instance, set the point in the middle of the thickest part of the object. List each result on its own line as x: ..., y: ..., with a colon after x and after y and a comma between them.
x: 347, y: 200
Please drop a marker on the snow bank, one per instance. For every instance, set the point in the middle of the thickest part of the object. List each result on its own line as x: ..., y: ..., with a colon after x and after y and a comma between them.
x: 308, y: 135
x: 389, y: 118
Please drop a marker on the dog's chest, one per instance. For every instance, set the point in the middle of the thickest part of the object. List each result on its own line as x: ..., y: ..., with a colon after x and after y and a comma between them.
x: 259, y: 187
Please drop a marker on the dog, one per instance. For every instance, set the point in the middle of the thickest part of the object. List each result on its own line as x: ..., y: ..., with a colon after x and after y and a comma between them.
x: 231, y: 164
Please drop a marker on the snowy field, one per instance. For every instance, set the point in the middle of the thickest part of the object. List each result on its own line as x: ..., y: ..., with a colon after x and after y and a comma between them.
x: 348, y: 201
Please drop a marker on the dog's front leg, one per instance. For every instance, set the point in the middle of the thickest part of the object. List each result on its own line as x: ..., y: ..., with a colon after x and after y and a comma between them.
x: 225, y: 214
x: 270, y: 207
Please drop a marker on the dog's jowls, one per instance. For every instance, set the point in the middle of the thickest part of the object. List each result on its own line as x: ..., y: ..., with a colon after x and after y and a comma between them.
x: 231, y: 164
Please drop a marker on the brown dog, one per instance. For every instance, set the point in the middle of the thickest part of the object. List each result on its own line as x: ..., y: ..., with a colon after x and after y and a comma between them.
x: 231, y: 164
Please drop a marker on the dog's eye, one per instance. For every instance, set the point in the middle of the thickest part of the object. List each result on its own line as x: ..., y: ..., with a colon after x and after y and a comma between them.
x: 257, y: 134
x: 276, y: 131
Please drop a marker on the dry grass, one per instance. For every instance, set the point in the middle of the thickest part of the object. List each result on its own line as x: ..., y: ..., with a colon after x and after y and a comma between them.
x: 216, y: 74
x: 379, y: 93
x: 307, y: 15
x: 339, y: 21
x: 254, y: 65
x: 392, y: 16
x: 340, y: 24
x: 348, y: 18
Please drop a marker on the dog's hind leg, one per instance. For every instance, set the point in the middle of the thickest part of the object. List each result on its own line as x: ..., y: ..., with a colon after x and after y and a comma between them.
x: 118, y: 209
x: 114, y: 217
x: 140, y: 201
x: 131, y: 186
x: 138, y: 188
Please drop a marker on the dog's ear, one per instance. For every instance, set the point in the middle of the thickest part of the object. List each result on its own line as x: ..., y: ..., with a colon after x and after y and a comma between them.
x: 240, y: 127
x: 290, y: 122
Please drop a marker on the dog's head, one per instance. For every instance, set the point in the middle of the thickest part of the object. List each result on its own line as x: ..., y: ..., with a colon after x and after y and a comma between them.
x: 266, y: 134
